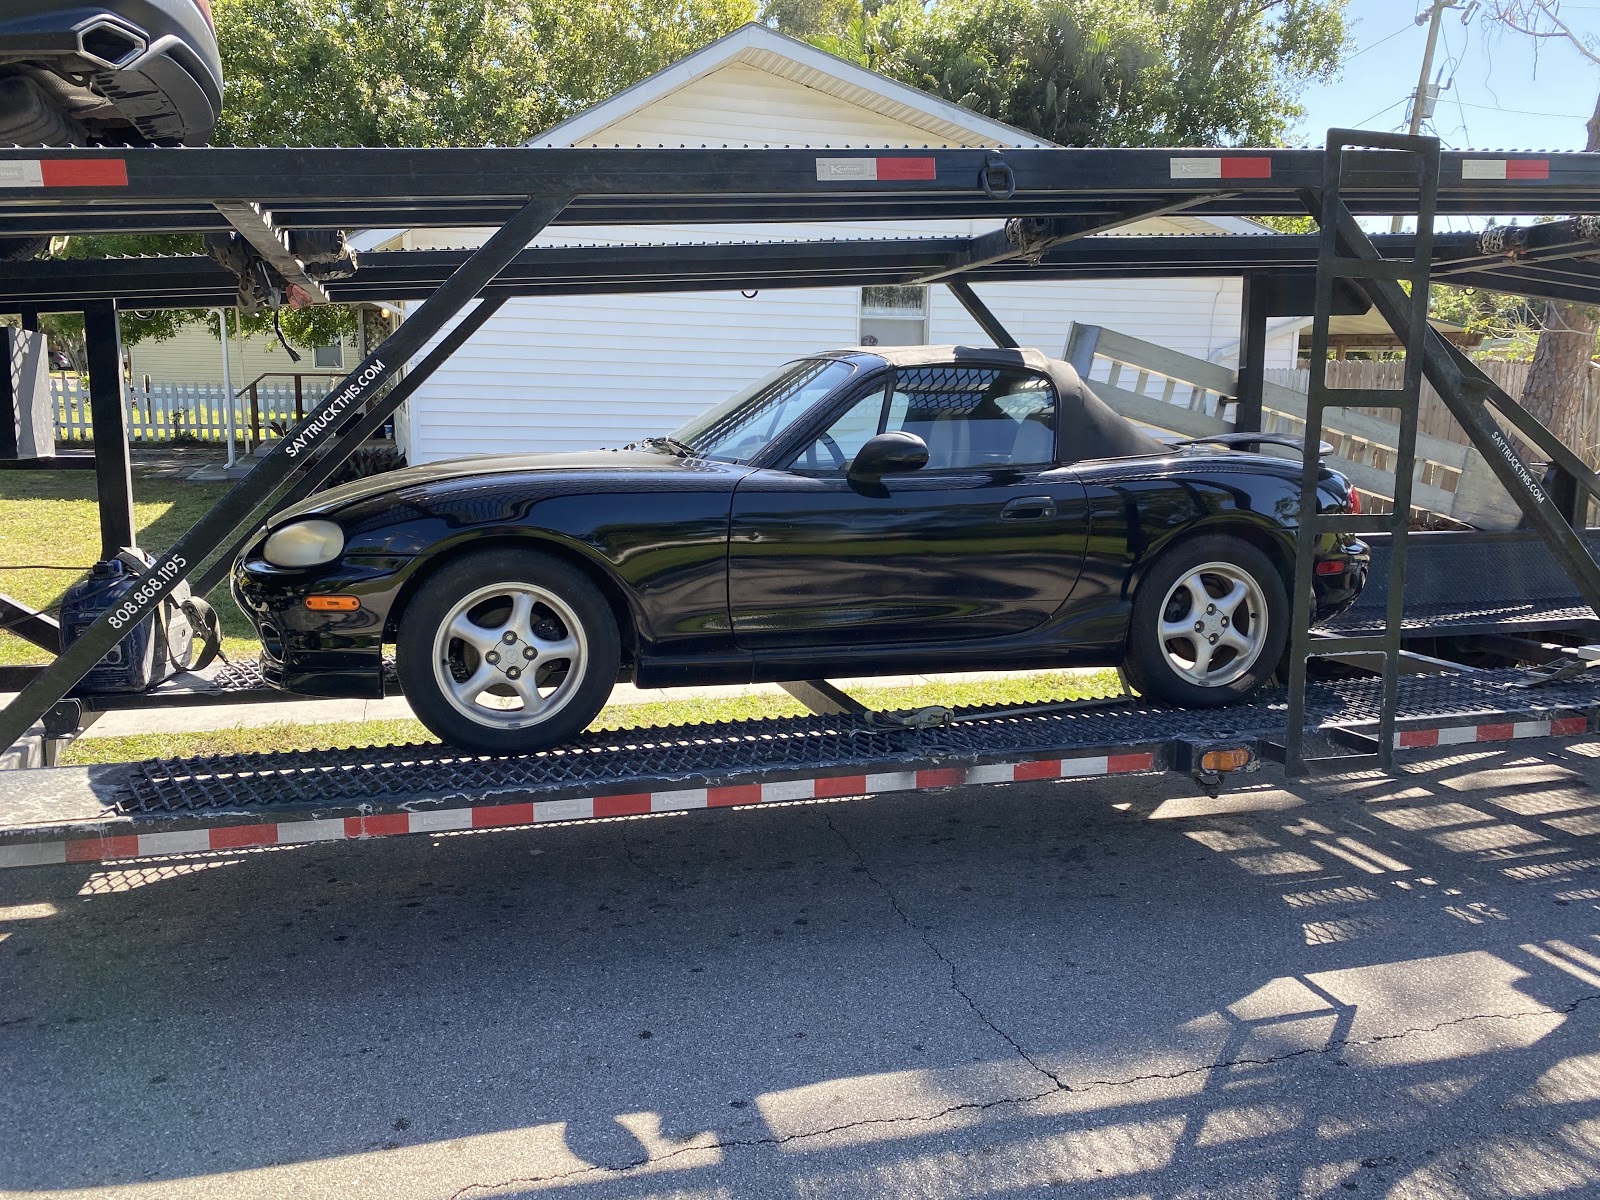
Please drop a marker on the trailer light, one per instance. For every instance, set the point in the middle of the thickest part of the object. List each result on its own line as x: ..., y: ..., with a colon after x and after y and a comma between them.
x: 1355, y: 503
x: 333, y: 603
x: 1225, y: 760
x: 304, y: 544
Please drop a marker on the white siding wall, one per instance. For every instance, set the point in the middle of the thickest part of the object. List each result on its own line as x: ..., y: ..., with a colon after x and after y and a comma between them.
x: 586, y: 371
x: 740, y: 105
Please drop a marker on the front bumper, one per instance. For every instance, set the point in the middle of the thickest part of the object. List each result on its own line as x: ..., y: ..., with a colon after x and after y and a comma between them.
x: 315, y: 653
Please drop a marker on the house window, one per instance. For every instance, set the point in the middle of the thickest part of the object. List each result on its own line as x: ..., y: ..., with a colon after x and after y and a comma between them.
x: 892, y: 315
x: 328, y: 356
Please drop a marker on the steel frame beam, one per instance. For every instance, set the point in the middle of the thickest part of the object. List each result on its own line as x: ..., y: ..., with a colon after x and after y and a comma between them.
x: 980, y: 312
x: 126, y: 190
x: 108, y: 410
x: 194, y: 282
x: 256, y: 226
x: 1252, y: 370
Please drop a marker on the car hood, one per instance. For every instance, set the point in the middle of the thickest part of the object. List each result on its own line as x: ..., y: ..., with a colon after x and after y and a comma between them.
x: 578, y: 464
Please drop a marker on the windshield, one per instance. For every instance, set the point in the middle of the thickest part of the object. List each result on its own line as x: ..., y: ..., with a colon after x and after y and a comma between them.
x: 740, y: 428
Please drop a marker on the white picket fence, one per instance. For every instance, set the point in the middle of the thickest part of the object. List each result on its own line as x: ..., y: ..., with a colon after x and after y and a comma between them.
x: 196, y: 412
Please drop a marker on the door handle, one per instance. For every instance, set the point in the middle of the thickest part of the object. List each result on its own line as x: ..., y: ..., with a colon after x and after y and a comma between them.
x: 1027, y: 508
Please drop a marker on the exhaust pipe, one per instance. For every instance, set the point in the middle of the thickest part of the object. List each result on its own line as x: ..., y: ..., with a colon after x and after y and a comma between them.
x: 109, y: 44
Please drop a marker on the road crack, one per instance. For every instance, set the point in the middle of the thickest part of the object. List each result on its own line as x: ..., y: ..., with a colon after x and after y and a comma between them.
x: 933, y: 948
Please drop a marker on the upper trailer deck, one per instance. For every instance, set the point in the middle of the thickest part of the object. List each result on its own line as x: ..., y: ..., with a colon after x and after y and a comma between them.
x: 45, y: 192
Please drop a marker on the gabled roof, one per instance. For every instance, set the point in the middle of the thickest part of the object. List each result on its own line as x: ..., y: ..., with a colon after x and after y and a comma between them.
x: 757, y: 46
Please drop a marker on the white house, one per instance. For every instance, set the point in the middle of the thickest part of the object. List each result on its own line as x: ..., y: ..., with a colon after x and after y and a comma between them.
x: 583, y: 371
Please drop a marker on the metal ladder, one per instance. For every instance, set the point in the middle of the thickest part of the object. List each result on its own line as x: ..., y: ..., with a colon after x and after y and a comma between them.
x: 1333, y: 266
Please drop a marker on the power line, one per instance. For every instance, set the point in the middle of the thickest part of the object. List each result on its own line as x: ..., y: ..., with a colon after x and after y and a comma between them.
x: 1361, y: 123
x: 1522, y: 112
x: 1381, y: 41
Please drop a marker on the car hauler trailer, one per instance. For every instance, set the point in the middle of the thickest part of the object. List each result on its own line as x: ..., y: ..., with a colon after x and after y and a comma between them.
x: 1406, y: 681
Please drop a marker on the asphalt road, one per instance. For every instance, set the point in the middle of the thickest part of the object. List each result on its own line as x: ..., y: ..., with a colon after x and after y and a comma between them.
x: 1110, y: 990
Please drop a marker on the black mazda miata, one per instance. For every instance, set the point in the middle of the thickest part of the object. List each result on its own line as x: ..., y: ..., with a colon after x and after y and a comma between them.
x: 854, y: 513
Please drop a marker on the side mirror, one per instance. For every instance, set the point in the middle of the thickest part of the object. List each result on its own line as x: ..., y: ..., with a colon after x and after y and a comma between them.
x: 889, y: 454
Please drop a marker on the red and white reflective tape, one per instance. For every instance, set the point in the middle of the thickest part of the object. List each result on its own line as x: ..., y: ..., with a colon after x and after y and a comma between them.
x: 1505, y: 168
x: 536, y: 812
x: 1225, y: 167
x: 1464, y: 735
x: 902, y: 167
x: 63, y: 172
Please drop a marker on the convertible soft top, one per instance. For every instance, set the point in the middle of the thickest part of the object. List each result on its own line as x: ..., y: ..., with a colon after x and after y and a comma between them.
x: 1093, y: 429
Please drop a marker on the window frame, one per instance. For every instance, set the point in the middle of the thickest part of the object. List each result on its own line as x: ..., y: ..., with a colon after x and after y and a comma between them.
x: 785, y: 457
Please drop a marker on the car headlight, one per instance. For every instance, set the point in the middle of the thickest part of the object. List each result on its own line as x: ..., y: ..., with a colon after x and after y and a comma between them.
x: 304, y: 544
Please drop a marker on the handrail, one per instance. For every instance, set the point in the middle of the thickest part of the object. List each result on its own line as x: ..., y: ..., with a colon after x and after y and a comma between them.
x: 255, y: 439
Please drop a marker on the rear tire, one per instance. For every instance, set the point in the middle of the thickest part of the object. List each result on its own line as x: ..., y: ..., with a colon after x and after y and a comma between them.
x: 508, y: 651
x: 1210, y: 621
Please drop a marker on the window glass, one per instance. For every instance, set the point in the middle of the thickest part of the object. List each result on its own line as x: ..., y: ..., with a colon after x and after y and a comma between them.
x: 328, y: 356
x: 894, y: 315
x: 970, y: 417
x: 740, y: 427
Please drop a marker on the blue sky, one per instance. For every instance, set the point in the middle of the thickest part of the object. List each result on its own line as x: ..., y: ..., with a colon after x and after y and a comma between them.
x: 1506, y: 94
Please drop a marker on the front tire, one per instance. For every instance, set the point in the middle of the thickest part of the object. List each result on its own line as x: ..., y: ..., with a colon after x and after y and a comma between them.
x: 508, y: 651
x: 1209, y: 624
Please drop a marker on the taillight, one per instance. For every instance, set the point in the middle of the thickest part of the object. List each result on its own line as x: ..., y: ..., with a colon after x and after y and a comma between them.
x: 205, y: 10
x: 1355, y: 503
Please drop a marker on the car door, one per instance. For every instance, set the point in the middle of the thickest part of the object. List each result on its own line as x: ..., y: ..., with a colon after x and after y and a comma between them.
x: 986, y: 540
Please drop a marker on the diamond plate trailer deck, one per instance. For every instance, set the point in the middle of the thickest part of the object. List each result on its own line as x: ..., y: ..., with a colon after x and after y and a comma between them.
x: 162, y: 807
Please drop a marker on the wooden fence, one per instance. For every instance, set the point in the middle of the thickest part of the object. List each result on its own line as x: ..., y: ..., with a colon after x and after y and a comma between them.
x: 1433, y: 418
x: 193, y: 412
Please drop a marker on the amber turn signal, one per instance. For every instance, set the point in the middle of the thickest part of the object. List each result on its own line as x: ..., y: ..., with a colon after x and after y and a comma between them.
x: 333, y: 603
x: 1225, y: 760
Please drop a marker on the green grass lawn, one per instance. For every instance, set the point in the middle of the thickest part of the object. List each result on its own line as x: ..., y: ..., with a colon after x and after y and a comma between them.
x: 1063, y: 685
x: 48, y: 519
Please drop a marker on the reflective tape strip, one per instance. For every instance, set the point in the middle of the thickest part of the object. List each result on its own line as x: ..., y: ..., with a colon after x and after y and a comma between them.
x: 64, y: 172
x: 1222, y: 167
x: 1505, y: 168
x: 1492, y: 731
x: 21, y: 173
x: 100, y: 847
x: 874, y: 169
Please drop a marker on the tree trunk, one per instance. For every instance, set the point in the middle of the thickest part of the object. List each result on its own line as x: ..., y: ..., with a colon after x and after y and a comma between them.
x: 1557, y: 386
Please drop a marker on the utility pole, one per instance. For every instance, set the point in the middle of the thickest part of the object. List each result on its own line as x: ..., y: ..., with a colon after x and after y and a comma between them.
x: 1433, y: 16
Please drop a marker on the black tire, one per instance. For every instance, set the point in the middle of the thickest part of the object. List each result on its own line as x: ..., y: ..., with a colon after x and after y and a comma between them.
x: 569, y: 597
x: 1168, y: 669
x: 22, y: 249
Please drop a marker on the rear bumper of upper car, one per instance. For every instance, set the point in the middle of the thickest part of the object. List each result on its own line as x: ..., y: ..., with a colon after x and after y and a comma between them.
x: 155, y: 60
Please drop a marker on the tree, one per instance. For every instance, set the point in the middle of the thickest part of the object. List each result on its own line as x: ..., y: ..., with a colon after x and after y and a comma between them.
x: 1095, y: 72
x: 412, y: 73
x: 440, y: 72
x: 1558, y: 380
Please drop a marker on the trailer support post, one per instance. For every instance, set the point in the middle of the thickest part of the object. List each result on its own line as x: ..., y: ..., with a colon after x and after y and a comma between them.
x: 108, y: 413
x: 1252, y: 352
